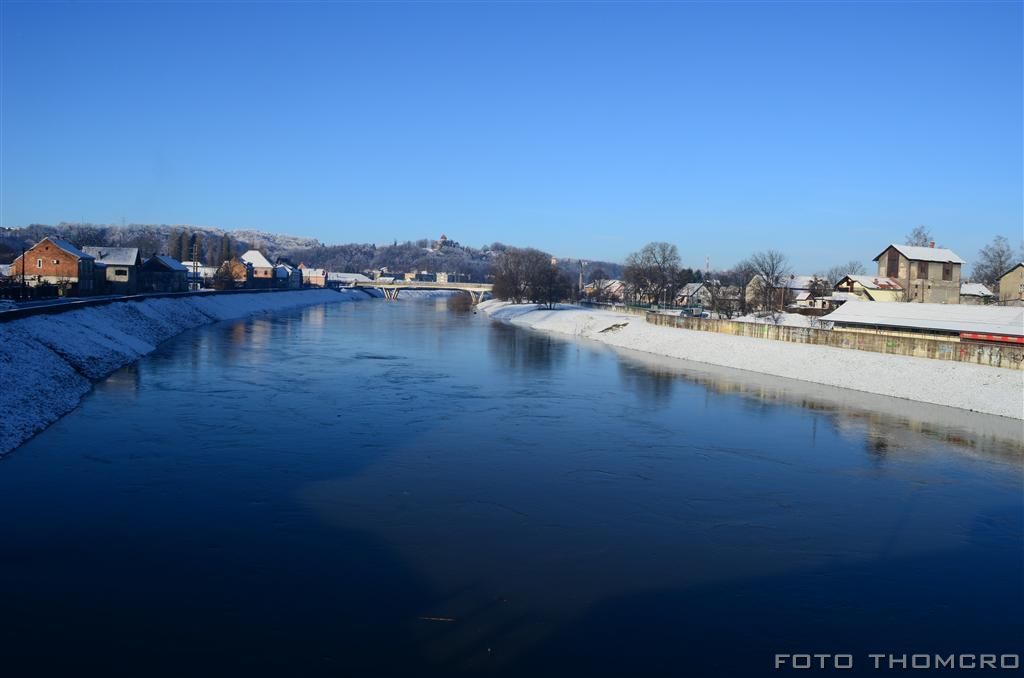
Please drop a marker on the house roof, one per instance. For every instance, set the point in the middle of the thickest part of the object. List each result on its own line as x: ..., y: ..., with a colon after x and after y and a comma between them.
x: 68, y: 247
x: 282, y: 271
x: 690, y: 289
x: 1003, y: 320
x: 256, y: 258
x: 975, y: 290
x: 792, y: 282
x: 347, y: 277
x: 915, y: 253
x: 5, y: 269
x: 167, y: 262
x: 1012, y: 268
x: 873, y: 282
x: 115, y: 256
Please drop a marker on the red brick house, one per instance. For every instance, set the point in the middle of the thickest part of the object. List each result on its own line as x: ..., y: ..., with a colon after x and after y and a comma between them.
x: 55, y: 261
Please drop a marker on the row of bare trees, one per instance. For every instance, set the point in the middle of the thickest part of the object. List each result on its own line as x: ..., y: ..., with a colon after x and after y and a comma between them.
x: 529, y: 275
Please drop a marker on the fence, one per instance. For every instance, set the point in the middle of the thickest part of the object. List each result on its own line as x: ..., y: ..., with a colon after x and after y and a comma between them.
x: 995, y: 355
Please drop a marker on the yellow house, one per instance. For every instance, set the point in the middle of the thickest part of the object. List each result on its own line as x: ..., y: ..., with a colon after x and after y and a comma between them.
x: 1011, y: 286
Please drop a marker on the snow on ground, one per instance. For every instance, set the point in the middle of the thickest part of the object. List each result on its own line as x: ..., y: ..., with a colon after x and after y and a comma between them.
x: 978, y: 388
x: 788, y: 319
x: 48, y: 362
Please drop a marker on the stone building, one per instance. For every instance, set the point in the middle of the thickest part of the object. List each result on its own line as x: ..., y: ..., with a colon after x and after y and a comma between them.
x: 929, y: 275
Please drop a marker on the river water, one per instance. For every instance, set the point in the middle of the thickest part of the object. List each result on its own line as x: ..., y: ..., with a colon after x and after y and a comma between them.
x: 396, y: 488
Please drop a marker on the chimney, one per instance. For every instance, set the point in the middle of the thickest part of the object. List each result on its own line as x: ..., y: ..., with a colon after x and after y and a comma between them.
x: 932, y: 244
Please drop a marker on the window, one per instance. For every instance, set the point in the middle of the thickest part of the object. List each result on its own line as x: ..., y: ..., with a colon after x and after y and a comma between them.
x: 39, y: 263
x: 55, y: 262
x: 947, y: 271
x: 892, y: 264
x: 121, y: 272
x: 922, y: 270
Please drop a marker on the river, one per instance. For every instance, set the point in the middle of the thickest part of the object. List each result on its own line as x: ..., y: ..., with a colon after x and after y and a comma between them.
x: 398, y: 488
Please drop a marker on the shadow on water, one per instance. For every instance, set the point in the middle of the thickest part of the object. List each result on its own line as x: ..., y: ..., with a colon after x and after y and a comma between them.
x: 904, y: 605
x: 138, y: 606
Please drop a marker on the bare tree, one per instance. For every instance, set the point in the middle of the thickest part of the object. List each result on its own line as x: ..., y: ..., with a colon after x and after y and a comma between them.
x: 920, y: 236
x: 837, y: 273
x: 653, y: 271
x: 994, y: 259
x: 549, y: 285
x: 770, y: 271
x: 520, y: 274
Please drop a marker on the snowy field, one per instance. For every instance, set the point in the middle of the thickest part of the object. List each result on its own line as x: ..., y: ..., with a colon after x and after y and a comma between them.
x: 48, y: 362
x: 978, y: 388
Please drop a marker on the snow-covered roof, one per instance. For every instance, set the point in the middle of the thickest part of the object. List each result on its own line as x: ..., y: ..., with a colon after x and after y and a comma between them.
x: 1003, y: 320
x: 689, y: 289
x: 803, y: 296
x: 282, y: 271
x: 69, y: 248
x: 915, y: 253
x: 5, y: 269
x: 975, y: 290
x: 115, y: 256
x: 168, y: 262
x: 873, y: 282
x: 799, y: 282
x: 347, y: 277
x: 256, y: 258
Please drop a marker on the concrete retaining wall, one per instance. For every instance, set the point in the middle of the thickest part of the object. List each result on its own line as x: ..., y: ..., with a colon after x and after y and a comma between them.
x: 995, y: 355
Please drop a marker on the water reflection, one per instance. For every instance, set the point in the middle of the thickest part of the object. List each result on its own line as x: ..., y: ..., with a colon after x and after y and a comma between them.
x: 884, y: 423
x: 516, y: 349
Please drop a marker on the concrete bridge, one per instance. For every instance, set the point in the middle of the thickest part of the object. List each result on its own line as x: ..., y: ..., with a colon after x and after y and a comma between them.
x: 390, y: 289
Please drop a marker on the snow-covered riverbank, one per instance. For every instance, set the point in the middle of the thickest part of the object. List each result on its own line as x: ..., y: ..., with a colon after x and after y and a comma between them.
x: 48, y: 362
x: 972, y: 387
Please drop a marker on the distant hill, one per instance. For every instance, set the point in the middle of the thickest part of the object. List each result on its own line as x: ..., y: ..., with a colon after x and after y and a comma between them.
x: 153, y: 239
x: 215, y: 244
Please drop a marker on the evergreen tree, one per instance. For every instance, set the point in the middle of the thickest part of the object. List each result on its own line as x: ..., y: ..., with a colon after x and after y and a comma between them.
x: 226, y: 250
x: 183, y: 249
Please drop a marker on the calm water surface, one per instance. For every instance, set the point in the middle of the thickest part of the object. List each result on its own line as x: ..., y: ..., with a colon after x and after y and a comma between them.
x: 397, y: 488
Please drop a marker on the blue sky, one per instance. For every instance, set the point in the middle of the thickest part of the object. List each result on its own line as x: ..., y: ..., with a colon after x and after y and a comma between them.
x: 825, y: 130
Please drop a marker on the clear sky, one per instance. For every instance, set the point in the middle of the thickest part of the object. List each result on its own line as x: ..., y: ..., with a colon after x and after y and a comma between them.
x: 822, y: 129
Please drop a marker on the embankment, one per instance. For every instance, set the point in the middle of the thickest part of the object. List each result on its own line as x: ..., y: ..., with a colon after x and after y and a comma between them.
x: 978, y: 388
x: 48, y: 362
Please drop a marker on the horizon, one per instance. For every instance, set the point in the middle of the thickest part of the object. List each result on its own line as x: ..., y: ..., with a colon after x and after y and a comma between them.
x: 823, y: 131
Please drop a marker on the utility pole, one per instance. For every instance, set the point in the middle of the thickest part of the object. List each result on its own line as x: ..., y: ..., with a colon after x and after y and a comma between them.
x: 195, y: 264
x: 582, y: 264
